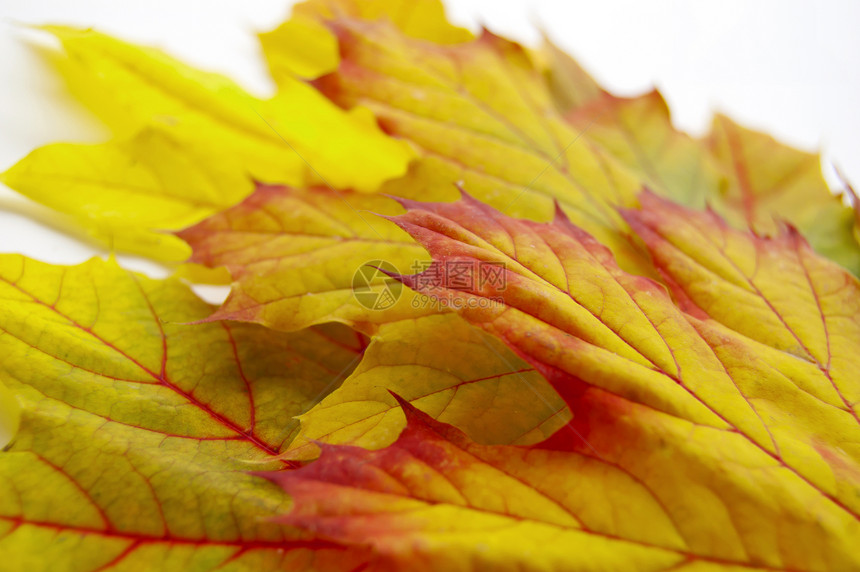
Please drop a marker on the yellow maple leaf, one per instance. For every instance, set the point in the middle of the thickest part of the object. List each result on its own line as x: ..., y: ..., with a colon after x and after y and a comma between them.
x: 304, y: 46
x: 190, y: 143
x: 138, y: 430
x: 482, y: 388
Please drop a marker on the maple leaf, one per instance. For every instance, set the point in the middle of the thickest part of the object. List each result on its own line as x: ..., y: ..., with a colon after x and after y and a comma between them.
x: 705, y: 422
x: 485, y: 113
x: 303, y: 46
x: 137, y: 431
x: 770, y: 182
x: 435, y: 500
x: 481, y: 113
x: 295, y: 255
x: 785, y: 185
x: 188, y: 143
x: 769, y: 378
x: 520, y: 131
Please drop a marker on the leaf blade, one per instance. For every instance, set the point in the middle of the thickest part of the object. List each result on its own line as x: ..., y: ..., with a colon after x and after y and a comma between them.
x: 589, y: 326
x: 455, y: 372
x: 142, y: 427
x: 284, y: 242
x: 771, y: 182
x: 436, y: 499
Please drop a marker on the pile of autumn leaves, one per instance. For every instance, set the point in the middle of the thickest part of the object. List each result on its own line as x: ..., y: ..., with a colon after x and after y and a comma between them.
x: 648, y: 384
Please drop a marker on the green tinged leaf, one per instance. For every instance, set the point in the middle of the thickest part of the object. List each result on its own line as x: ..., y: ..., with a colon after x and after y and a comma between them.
x: 138, y: 430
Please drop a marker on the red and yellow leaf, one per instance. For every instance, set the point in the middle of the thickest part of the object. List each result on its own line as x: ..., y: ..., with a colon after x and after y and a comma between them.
x: 480, y: 112
x: 485, y: 113
x: 294, y: 254
x: 137, y: 430
x: 641, y: 375
x: 435, y: 500
x: 575, y: 412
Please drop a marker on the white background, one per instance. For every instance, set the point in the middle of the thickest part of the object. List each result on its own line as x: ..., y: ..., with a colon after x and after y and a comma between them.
x: 788, y: 67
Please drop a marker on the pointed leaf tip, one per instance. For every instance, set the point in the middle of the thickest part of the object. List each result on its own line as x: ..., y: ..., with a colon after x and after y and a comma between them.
x: 559, y: 216
x: 411, y: 412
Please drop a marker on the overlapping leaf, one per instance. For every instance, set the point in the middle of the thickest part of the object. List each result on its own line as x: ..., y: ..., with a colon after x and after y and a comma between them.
x: 189, y: 144
x: 710, y: 425
x: 746, y: 176
x: 137, y: 430
x: 491, y: 123
x: 434, y: 500
x: 770, y: 183
x: 481, y: 113
x: 303, y: 46
x: 294, y: 255
x: 449, y: 369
